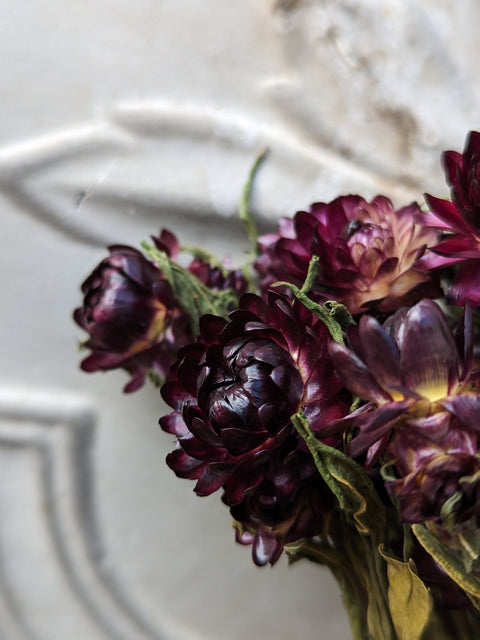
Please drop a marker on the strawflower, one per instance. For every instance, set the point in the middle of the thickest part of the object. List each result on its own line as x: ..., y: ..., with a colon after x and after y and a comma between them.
x: 131, y: 315
x: 133, y: 318
x: 234, y: 392
x: 367, y: 253
x: 422, y: 407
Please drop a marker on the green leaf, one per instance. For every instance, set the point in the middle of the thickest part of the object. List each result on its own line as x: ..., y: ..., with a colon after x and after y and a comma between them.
x: 409, y: 599
x: 191, y: 294
x: 347, y: 480
x: 451, y: 561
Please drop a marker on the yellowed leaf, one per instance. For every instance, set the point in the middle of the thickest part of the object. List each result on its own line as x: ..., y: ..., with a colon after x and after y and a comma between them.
x: 409, y: 599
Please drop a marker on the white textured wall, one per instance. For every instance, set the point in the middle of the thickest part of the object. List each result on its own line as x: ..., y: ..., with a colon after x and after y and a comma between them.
x: 118, y: 117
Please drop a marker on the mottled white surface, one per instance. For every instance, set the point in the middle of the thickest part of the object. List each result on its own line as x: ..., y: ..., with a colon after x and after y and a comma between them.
x: 117, y: 118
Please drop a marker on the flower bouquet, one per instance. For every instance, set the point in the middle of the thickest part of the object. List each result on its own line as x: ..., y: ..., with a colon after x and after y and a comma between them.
x: 329, y: 388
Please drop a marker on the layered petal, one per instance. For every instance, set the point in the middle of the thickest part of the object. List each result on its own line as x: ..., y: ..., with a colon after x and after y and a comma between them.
x: 414, y: 374
x: 131, y: 316
x: 232, y: 414
x: 368, y: 253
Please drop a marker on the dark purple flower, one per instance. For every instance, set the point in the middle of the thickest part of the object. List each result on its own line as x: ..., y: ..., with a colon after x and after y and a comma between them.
x: 367, y: 253
x: 459, y: 220
x: 410, y: 371
x: 423, y: 410
x: 131, y: 315
x: 234, y: 392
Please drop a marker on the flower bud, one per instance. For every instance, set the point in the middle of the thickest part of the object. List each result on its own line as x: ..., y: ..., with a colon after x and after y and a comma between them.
x: 131, y: 316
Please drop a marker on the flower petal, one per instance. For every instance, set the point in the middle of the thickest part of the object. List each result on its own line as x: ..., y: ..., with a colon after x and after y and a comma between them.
x: 464, y: 247
x: 430, y: 359
x: 184, y: 465
x: 375, y: 425
x: 466, y: 407
x: 355, y: 374
x: 449, y: 213
x: 238, y: 441
x: 466, y: 285
x: 246, y: 476
x: 380, y: 352
x: 266, y: 548
x: 212, y: 478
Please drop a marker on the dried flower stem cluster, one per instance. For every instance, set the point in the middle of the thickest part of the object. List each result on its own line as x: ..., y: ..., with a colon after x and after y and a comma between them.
x: 330, y: 389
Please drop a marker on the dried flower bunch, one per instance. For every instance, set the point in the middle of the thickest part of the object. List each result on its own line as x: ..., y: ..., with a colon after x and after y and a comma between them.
x: 330, y: 389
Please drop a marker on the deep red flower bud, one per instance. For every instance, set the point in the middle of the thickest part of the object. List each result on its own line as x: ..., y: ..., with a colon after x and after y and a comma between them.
x: 131, y: 316
x: 463, y: 175
x: 234, y: 392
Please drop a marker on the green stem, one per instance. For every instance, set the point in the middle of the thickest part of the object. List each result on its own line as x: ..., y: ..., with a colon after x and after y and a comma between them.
x: 379, y: 618
x: 344, y: 567
x: 448, y: 624
x: 325, y: 316
x: 311, y: 275
x: 244, y: 208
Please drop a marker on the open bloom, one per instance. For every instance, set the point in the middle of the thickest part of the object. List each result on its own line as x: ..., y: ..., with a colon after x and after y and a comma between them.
x: 423, y: 405
x: 367, y: 253
x: 459, y: 219
x: 131, y: 315
x: 234, y: 392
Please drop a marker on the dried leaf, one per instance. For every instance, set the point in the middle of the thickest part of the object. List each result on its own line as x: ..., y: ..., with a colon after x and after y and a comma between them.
x: 409, y: 599
x: 451, y: 562
x: 347, y: 480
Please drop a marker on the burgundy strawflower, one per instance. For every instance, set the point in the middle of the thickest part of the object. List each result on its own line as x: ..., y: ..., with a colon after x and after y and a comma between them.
x: 234, y: 392
x: 367, y: 253
x: 423, y: 406
x: 131, y: 315
x: 459, y: 219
